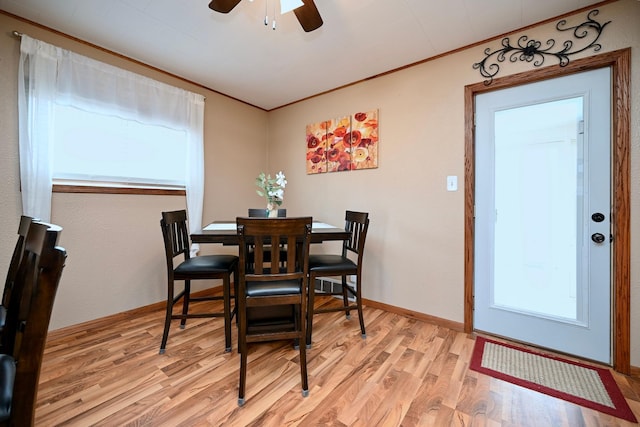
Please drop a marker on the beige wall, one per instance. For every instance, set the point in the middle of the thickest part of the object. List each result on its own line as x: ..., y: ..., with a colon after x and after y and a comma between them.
x: 414, y: 256
x: 115, y: 253
x: 415, y: 251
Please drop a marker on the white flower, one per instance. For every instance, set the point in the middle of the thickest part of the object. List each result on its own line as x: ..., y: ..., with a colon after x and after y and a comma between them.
x: 272, y: 189
x: 280, y: 179
x: 276, y: 193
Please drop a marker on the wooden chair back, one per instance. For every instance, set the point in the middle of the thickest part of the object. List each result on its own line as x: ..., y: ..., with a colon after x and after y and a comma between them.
x: 23, y: 282
x: 23, y: 229
x: 356, y: 223
x: 38, y: 278
x: 258, y: 234
x: 272, y: 278
x: 176, y: 235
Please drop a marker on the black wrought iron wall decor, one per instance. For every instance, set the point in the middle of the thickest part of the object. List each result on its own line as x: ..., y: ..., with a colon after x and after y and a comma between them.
x: 530, y: 50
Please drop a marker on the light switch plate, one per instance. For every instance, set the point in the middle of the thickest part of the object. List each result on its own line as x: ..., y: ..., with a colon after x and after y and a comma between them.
x: 452, y: 183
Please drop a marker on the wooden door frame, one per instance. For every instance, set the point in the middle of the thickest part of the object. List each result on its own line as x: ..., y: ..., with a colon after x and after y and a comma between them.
x: 620, y: 63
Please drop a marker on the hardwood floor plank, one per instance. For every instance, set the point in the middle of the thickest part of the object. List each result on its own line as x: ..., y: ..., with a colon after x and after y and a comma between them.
x: 406, y: 372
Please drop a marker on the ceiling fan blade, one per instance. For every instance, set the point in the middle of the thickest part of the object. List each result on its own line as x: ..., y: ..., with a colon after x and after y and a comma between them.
x: 223, y: 6
x: 308, y: 16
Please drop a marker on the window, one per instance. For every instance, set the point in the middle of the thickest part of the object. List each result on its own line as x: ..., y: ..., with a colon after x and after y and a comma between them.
x: 98, y: 149
x: 82, y: 121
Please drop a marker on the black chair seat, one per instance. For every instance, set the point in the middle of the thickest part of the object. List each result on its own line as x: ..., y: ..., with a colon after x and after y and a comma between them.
x: 283, y: 287
x: 206, y: 264
x: 7, y: 377
x: 320, y: 263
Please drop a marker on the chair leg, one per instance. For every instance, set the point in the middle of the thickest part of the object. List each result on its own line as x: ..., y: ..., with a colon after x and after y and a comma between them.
x: 303, y: 371
x: 311, y: 293
x: 302, y: 318
x: 167, y: 318
x: 243, y: 377
x: 345, y: 297
x: 235, y: 293
x: 359, y: 304
x: 226, y: 291
x: 185, y: 303
x: 242, y: 349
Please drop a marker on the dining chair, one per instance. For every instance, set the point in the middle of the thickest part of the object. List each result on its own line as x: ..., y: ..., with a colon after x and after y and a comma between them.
x: 272, y: 294
x: 263, y: 213
x: 23, y: 228
x: 347, y: 263
x: 22, y: 284
x: 37, y: 281
x: 182, y: 267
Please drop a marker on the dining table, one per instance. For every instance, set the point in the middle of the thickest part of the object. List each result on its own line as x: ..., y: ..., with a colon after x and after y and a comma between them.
x: 225, y: 232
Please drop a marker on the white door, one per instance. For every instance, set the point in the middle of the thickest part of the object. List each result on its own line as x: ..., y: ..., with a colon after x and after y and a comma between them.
x: 542, y: 272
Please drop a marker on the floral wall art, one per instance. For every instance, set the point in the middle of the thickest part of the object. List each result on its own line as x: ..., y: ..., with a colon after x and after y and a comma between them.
x: 343, y: 143
x: 317, y: 147
x: 338, y: 149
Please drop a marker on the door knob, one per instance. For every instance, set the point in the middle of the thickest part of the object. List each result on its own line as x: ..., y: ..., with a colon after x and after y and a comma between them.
x: 597, y: 237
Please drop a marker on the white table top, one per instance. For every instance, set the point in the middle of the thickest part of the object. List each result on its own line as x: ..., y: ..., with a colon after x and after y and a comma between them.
x: 216, y: 226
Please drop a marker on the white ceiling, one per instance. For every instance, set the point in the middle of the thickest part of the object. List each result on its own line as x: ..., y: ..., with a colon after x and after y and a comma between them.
x: 237, y: 55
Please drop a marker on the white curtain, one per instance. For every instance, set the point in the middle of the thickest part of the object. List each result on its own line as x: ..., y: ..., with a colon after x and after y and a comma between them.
x: 49, y: 74
x: 195, y: 165
x: 37, y: 72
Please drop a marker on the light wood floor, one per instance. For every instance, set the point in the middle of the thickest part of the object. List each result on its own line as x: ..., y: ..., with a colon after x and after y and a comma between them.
x: 407, y: 372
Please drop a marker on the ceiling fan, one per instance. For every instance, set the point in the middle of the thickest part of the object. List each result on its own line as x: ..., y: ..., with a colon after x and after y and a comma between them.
x: 307, y: 14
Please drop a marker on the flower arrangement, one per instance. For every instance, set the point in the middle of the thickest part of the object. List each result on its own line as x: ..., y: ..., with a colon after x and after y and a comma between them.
x: 272, y: 189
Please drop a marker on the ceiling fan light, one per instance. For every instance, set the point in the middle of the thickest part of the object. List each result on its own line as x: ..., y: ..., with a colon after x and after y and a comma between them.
x: 289, y: 5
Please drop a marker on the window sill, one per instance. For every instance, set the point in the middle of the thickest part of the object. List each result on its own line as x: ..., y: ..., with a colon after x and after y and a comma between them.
x: 60, y: 188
